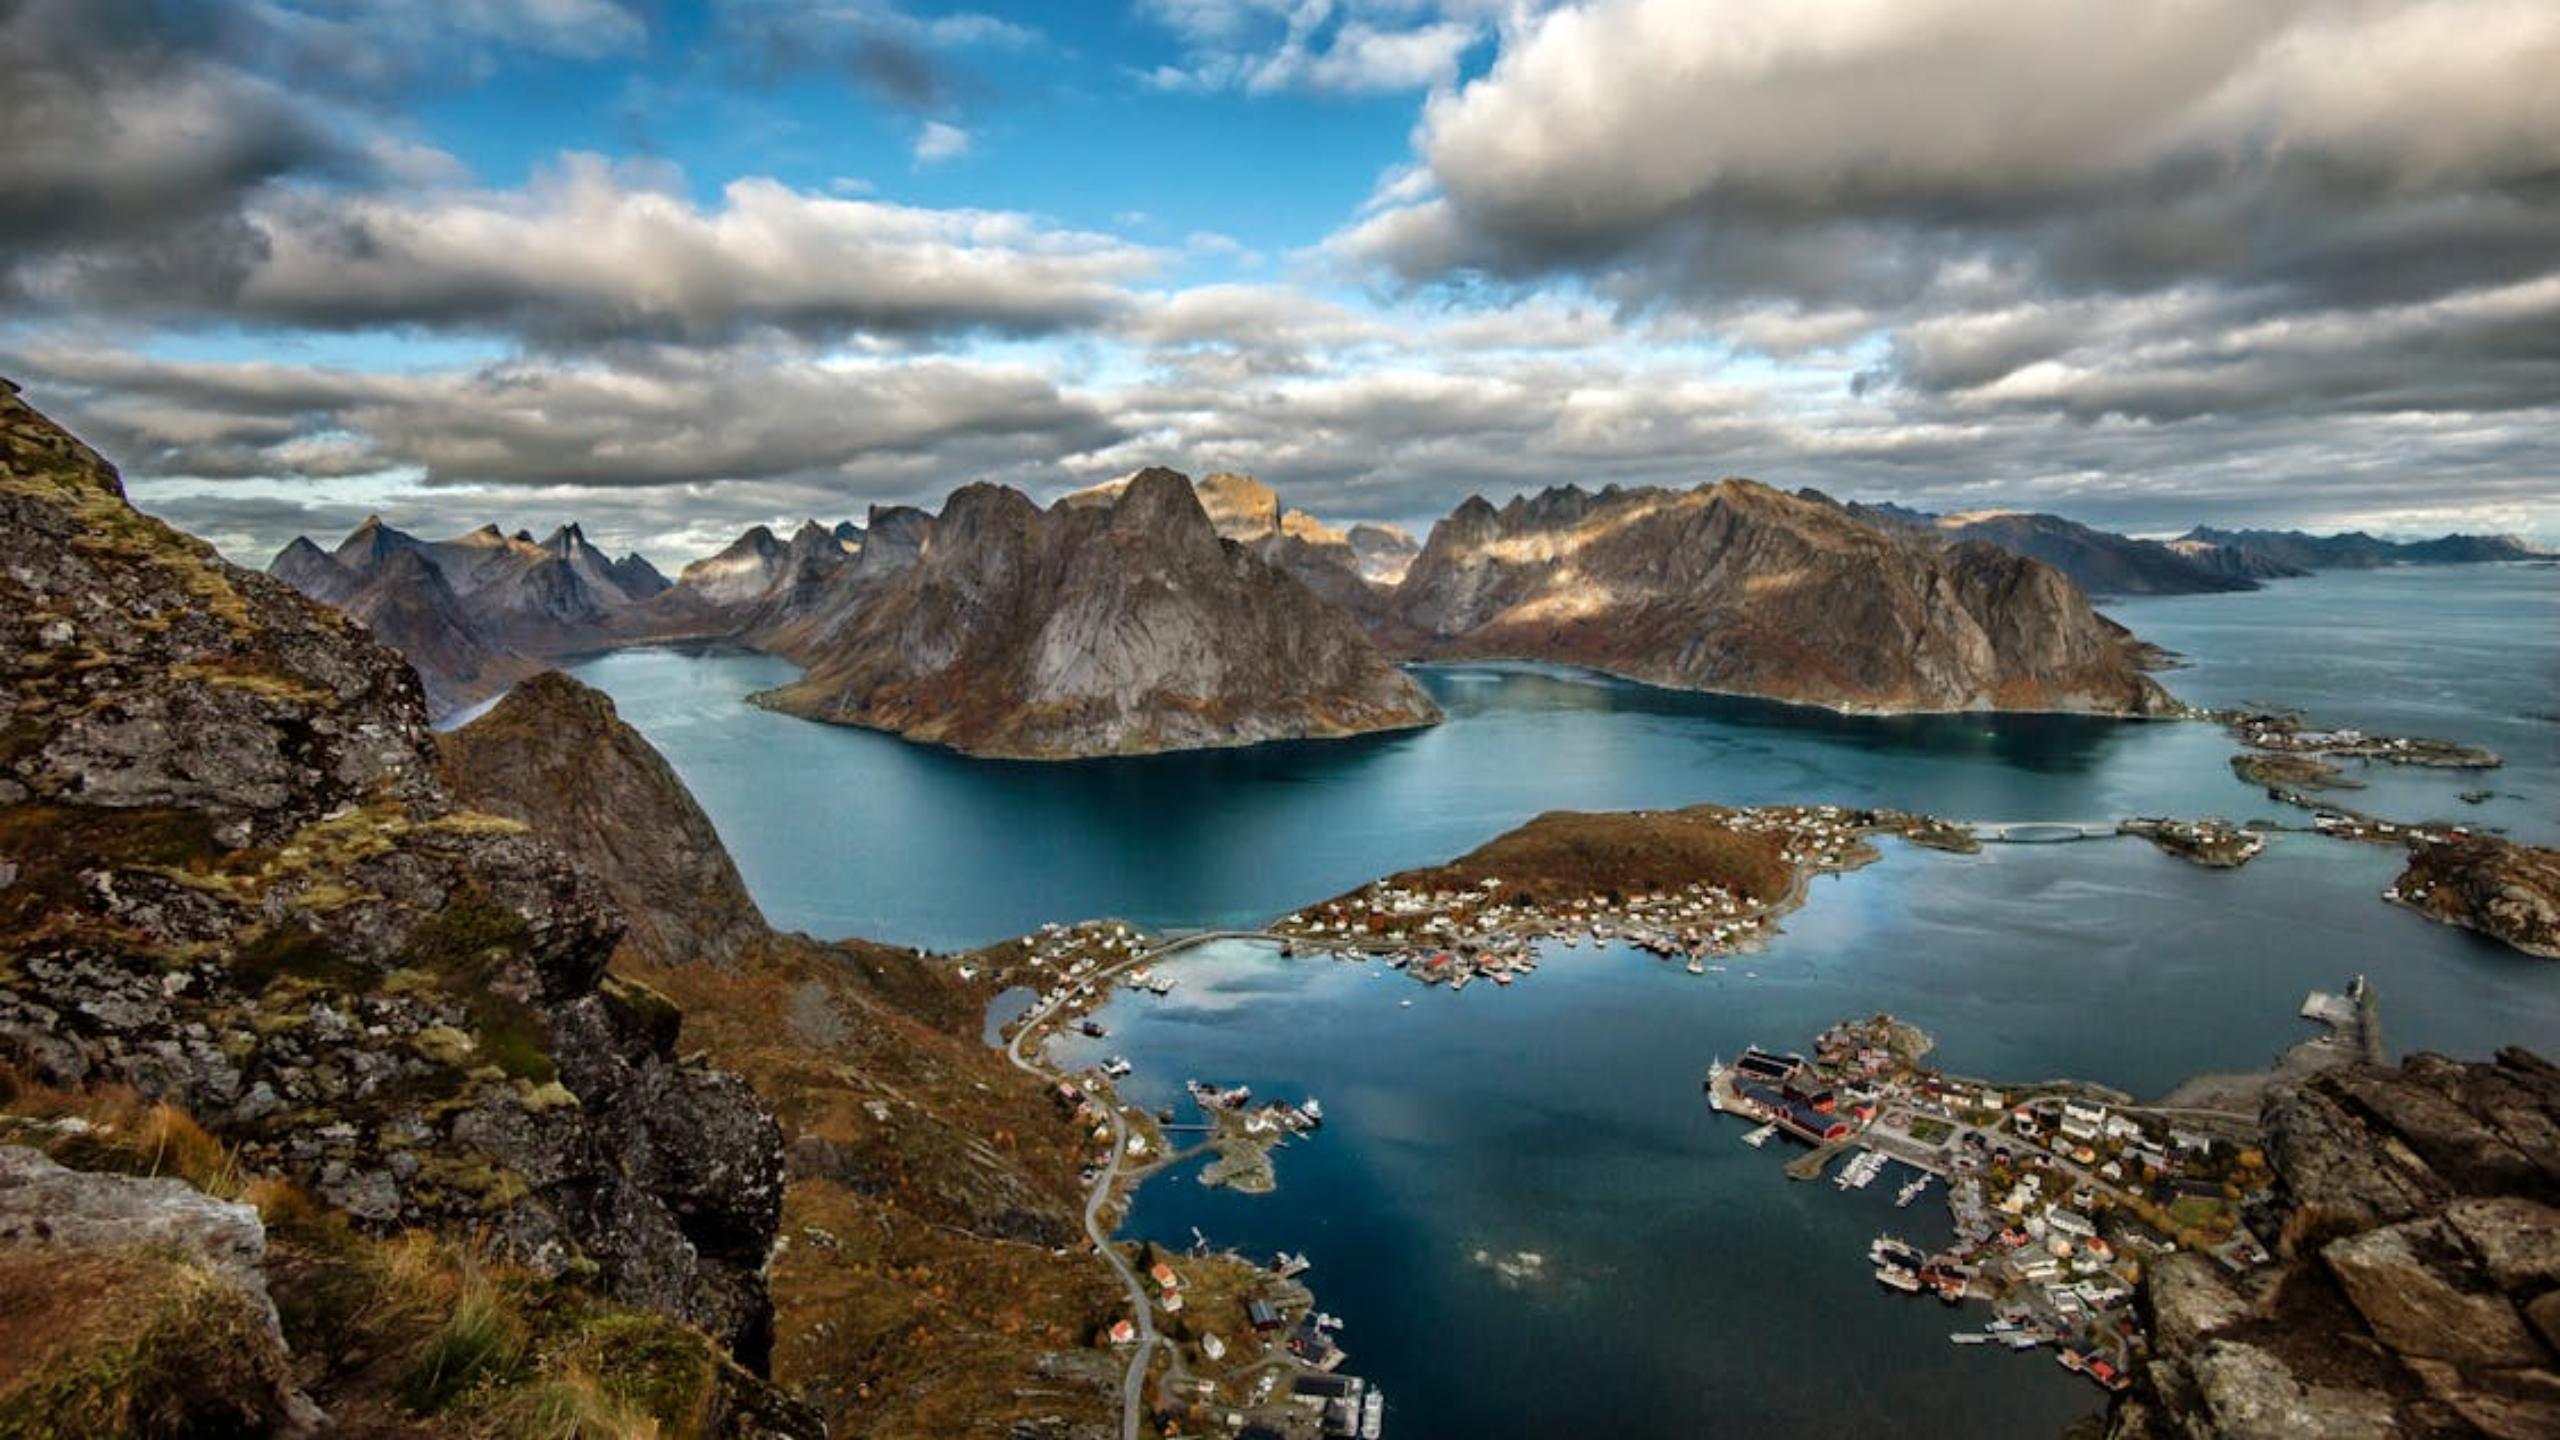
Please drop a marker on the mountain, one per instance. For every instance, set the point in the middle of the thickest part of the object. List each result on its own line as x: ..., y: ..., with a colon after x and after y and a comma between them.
x: 1382, y: 552
x: 264, y: 936
x: 554, y: 755
x: 236, y: 884
x: 1243, y: 509
x: 2356, y: 550
x: 408, y: 606
x: 2414, y: 1290
x: 741, y: 573
x: 1104, y: 625
x: 2233, y: 561
x: 2100, y: 562
x: 314, y: 571
x: 636, y: 577
x: 1740, y: 588
x: 935, y: 1286
x: 480, y: 611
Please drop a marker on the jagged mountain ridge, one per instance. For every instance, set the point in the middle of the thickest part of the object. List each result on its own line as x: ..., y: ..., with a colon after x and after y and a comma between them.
x: 1092, y: 628
x: 1738, y: 587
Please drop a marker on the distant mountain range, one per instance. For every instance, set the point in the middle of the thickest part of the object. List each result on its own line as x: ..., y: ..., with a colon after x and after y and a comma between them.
x: 1001, y: 627
x: 2359, y: 551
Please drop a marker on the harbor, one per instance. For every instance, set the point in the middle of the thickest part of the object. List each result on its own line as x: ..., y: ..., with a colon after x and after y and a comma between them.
x: 2057, y: 1194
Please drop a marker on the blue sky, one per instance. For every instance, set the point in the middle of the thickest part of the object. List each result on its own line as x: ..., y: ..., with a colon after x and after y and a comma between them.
x: 676, y: 268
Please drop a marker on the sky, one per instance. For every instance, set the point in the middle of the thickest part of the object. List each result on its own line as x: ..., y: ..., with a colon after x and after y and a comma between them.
x: 671, y: 268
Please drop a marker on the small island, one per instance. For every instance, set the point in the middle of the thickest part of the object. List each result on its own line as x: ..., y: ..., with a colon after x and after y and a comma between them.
x: 1700, y: 883
x: 2212, y: 842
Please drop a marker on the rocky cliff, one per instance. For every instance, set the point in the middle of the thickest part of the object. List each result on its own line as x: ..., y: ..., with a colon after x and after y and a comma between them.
x: 2417, y: 1292
x: 232, y: 879
x: 2503, y: 890
x: 931, y: 1186
x: 555, y: 756
x: 1737, y: 587
x: 1099, y: 627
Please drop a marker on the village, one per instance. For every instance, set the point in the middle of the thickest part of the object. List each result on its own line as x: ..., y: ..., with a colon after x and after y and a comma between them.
x: 2058, y: 1194
x: 1493, y: 927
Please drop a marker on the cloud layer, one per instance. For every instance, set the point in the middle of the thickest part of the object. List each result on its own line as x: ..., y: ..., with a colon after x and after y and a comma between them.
x: 2146, y: 262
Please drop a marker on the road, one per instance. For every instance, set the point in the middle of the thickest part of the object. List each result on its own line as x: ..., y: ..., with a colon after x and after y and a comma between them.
x: 1106, y: 1183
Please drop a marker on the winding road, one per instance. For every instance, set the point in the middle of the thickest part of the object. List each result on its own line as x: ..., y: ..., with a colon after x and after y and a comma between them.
x: 1106, y: 1183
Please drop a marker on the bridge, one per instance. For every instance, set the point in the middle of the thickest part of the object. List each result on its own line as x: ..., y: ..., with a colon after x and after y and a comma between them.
x: 2038, y: 832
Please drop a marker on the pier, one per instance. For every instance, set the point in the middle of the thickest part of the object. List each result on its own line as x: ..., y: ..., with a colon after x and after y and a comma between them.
x: 1809, y: 1166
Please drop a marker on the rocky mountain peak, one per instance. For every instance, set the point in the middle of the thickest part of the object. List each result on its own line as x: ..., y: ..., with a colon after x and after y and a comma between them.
x: 371, y: 543
x: 1739, y: 587
x: 557, y: 751
x: 1241, y: 507
x: 1106, y: 624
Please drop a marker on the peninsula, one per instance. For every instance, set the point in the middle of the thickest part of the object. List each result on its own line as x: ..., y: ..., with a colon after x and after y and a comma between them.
x: 1740, y: 588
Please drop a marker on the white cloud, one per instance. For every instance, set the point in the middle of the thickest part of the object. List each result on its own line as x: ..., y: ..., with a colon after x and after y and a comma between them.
x: 937, y: 142
x: 1342, y: 47
x: 594, y: 251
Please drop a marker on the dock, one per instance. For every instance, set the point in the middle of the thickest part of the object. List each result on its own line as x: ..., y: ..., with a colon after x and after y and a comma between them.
x: 1810, y: 1166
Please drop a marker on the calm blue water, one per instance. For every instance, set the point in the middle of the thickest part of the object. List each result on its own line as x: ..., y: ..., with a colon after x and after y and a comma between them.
x: 1697, y: 1292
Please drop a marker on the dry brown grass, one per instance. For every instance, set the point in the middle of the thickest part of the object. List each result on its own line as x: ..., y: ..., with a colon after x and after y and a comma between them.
x: 1565, y: 854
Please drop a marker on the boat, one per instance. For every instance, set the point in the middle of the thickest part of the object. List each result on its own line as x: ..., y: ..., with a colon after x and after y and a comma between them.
x: 1313, y: 1110
x: 1161, y: 985
x: 1092, y: 1028
x: 1894, y: 1277
x: 1862, y: 1171
x: 1759, y: 1137
x: 1373, y: 1413
x: 1117, y: 1066
x: 1697, y: 966
x: 1289, y: 1267
x: 1911, y: 1190
x: 1970, y: 1337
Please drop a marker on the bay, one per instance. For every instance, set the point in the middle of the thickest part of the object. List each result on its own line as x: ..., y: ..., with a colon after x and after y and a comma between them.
x: 1693, y: 1290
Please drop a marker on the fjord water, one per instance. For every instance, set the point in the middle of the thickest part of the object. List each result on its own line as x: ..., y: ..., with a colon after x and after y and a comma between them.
x: 1691, y: 1289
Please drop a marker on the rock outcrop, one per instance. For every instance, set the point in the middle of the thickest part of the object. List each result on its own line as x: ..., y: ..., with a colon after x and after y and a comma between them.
x: 231, y: 878
x: 2504, y: 890
x: 128, y: 1288
x: 2419, y: 1276
x: 1739, y: 588
x: 1092, y: 629
x: 554, y: 755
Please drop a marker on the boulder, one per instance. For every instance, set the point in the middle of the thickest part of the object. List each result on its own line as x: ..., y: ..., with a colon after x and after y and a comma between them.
x: 2403, y: 1280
